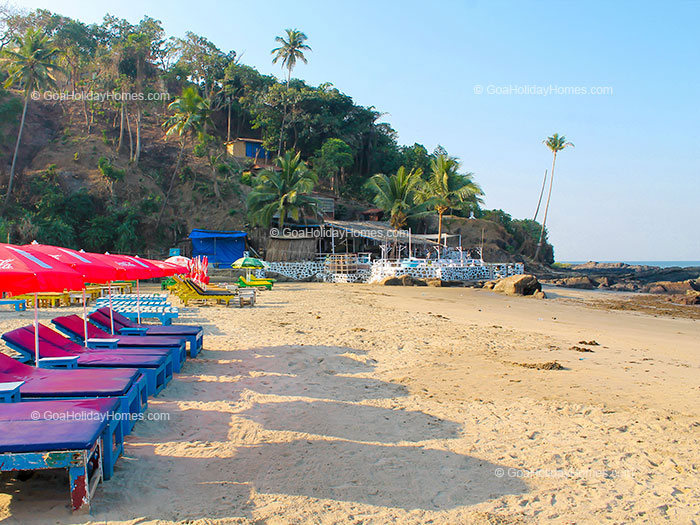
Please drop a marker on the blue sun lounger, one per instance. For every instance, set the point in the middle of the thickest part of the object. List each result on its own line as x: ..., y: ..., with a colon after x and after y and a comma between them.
x: 158, y: 369
x: 194, y: 335
x: 38, y: 384
x: 64, y: 343
x: 31, y: 443
x: 72, y: 326
x: 105, y: 409
x: 20, y: 305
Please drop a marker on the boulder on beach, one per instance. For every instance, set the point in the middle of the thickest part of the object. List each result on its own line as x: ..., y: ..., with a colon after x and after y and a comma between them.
x: 584, y: 282
x: 670, y: 287
x: 518, y: 285
x: 402, y: 280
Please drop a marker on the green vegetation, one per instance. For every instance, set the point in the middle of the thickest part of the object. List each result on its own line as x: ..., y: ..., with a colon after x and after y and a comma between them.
x: 283, y: 192
x: 31, y: 65
x: 447, y: 189
x: 190, y: 115
x: 398, y: 196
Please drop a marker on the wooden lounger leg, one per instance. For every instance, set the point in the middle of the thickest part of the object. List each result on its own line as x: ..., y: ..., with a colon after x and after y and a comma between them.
x: 82, y: 485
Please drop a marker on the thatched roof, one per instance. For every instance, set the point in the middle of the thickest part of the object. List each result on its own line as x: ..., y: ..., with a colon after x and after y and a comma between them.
x: 378, y: 231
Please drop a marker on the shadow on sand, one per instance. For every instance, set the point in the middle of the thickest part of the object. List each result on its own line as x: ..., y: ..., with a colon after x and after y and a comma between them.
x: 328, y: 445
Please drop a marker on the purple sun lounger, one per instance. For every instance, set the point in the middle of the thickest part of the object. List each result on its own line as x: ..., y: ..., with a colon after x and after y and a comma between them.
x: 128, y: 385
x: 73, y: 327
x: 76, y: 410
x: 193, y: 334
x: 158, y: 369
x: 33, y: 439
x: 65, y: 343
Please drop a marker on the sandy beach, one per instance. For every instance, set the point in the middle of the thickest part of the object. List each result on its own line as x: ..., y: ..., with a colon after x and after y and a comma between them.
x: 366, y: 404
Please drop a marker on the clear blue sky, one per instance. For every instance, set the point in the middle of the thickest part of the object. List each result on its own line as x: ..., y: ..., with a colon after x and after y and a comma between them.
x: 630, y: 190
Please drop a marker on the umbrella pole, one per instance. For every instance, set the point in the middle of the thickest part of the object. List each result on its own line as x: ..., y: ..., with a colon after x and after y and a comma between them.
x: 111, y: 312
x: 85, y: 317
x: 138, y: 302
x: 36, y: 329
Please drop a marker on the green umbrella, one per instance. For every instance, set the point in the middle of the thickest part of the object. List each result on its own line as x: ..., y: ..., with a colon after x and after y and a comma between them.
x: 248, y: 262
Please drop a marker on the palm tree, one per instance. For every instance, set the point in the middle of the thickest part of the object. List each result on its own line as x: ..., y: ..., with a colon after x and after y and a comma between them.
x: 290, y: 50
x: 191, y: 114
x: 447, y: 189
x: 283, y: 192
x: 555, y: 143
x: 30, y: 65
x: 397, y: 195
x: 539, y: 201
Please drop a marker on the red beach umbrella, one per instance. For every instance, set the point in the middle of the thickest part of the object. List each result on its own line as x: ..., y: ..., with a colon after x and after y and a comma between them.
x: 22, y: 272
x: 137, y: 268
x: 93, y: 269
x: 169, y: 268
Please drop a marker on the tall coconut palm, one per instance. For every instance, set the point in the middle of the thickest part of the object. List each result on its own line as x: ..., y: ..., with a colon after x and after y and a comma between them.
x: 31, y: 65
x: 190, y: 116
x: 290, y: 50
x: 284, y: 192
x: 447, y: 189
x: 555, y: 143
x: 398, y: 195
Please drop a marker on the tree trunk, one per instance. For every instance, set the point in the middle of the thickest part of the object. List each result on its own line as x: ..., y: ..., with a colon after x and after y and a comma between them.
x: 440, y: 212
x: 217, y: 191
x: 228, y: 128
x: 137, y: 153
x: 284, y: 118
x: 544, y: 183
x: 85, y: 114
x: 172, y: 181
x: 546, y: 207
x: 14, y: 157
x: 121, y: 127
x: 131, y: 139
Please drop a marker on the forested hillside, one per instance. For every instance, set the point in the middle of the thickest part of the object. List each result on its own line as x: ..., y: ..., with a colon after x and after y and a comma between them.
x: 123, y: 131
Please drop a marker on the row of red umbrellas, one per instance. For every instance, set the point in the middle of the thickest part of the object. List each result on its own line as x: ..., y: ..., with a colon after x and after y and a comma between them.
x: 37, y: 268
x: 44, y: 268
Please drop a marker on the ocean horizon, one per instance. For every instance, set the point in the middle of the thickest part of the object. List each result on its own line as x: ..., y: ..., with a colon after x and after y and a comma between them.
x: 661, y: 264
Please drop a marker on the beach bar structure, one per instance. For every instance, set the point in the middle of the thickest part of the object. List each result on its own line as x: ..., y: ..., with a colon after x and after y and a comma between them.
x: 345, y: 250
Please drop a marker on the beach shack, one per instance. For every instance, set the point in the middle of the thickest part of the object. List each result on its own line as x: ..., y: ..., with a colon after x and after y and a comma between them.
x: 242, y: 148
x: 220, y: 247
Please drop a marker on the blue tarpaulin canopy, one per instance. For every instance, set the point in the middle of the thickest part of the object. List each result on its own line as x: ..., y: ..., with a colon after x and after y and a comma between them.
x: 221, y: 247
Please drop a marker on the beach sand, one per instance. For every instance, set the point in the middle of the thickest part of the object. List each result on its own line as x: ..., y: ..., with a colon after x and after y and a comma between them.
x: 367, y: 404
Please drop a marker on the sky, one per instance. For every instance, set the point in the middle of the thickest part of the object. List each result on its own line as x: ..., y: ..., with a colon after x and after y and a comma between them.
x: 489, y: 81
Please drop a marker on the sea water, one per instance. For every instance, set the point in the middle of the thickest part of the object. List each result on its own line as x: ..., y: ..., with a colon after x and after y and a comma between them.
x: 661, y: 264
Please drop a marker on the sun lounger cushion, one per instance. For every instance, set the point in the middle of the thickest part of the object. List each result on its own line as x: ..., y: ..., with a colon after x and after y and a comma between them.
x: 66, y: 383
x: 73, y: 325
x: 42, y: 435
x: 23, y: 431
x: 121, y: 321
x: 23, y: 338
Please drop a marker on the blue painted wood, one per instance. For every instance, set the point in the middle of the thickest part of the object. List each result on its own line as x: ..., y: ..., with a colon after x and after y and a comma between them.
x: 111, y: 343
x: 20, y: 305
x: 84, y: 469
x: 59, y: 362
x: 10, y: 392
